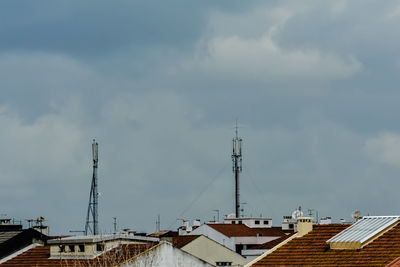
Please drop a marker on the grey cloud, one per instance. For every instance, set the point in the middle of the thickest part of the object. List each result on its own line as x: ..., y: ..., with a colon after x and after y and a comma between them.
x: 76, y: 71
x: 94, y: 28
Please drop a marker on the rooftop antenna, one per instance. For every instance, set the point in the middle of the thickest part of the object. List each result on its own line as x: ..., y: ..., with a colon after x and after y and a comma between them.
x: 158, y: 223
x: 92, y: 217
x: 310, y: 212
x: 217, y: 211
x: 115, y: 224
x: 237, y: 167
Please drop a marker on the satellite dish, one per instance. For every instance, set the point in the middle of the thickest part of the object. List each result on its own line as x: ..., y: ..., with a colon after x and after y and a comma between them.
x: 356, y: 214
x: 296, y: 214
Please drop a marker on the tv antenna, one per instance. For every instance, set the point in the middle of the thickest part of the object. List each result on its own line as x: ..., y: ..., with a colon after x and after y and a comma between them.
x: 92, y: 217
x: 158, y: 223
x: 37, y: 222
x: 237, y: 167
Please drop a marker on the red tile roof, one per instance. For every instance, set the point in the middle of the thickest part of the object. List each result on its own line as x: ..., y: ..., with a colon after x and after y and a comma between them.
x: 395, y: 263
x: 183, y: 240
x: 271, y: 244
x: 312, y: 250
x: 237, y: 230
x: 39, y: 256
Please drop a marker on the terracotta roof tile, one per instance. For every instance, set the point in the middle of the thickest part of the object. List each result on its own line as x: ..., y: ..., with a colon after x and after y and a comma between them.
x: 39, y: 256
x: 312, y: 250
x: 231, y: 230
x: 271, y: 244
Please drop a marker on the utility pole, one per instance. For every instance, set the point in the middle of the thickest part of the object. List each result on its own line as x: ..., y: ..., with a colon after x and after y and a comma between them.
x: 237, y: 168
x: 92, y: 216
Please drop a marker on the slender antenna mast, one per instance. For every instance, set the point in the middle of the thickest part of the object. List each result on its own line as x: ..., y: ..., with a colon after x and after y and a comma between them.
x: 158, y: 223
x: 237, y: 167
x: 115, y: 225
x: 92, y: 216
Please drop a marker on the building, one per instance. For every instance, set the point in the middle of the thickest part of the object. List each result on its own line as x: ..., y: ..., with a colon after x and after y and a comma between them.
x: 208, y: 250
x: 250, y: 222
x: 371, y: 241
x: 103, y: 250
x: 81, y: 251
x: 163, y: 255
x: 13, y: 238
x: 254, y: 251
x: 239, y: 234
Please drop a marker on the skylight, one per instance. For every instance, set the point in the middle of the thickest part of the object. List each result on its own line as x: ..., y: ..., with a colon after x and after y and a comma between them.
x: 362, y: 232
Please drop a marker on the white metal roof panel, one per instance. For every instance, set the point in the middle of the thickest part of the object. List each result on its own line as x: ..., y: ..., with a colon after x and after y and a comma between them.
x: 364, y: 229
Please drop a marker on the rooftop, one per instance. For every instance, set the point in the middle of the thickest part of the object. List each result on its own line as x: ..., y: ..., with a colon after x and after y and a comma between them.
x: 40, y: 256
x: 313, y: 250
x: 100, y: 238
x: 271, y: 244
x: 6, y: 235
x: 247, y: 218
x: 183, y: 240
x: 238, y: 230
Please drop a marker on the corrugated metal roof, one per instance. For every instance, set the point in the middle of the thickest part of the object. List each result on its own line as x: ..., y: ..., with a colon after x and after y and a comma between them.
x: 364, y: 229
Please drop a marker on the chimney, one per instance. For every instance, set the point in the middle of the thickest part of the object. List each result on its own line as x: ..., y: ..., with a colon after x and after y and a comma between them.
x: 326, y: 220
x: 196, y: 223
x: 42, y: 229
x: 185, y: 228
x: 304, y: 225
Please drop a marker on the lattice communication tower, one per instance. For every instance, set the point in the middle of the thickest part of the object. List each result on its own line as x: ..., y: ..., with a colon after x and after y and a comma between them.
x: 237, y: 168
x: 92, y: 217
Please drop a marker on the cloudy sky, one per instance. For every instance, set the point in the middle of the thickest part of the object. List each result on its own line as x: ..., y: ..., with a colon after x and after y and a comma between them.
x: 313, y: 84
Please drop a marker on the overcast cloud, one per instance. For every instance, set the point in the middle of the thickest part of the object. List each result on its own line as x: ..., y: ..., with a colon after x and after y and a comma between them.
x: 314, y: 85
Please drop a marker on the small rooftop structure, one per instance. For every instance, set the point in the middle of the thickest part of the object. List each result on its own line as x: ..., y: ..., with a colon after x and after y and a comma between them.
x: 251, y: 222
x: 242, y: 230
x: 89, y: 247
x: 362, y: 232
x: 87, y: 239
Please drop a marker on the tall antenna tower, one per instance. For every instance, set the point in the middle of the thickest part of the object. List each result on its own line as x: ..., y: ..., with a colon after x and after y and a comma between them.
x: 92, y: 217
x: 237, y: 167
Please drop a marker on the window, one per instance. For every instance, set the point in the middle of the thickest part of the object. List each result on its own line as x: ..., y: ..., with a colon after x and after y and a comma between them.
x: 81, y: 248
x: 291, y: 225
x: 266, y: 222
x: 99, y: 247
x: 62, y: 248
x: 224, y: 263
x: 256, y: 222
x: 233, y: 222
x: 240, y: 222
x: 71, y: 248
x: 239, y: 248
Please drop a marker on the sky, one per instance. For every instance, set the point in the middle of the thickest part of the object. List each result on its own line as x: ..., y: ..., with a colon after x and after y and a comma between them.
x: 314, y: 86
